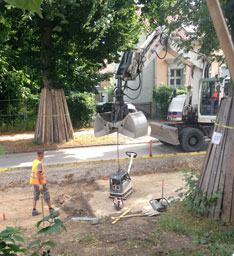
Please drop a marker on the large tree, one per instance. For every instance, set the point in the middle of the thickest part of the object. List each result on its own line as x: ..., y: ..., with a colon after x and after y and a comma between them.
x: 67, y: 45
x: 72, y: 36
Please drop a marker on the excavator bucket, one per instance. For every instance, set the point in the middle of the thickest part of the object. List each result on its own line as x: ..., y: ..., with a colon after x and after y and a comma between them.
x: 134, y: 125
x: 165, y: 133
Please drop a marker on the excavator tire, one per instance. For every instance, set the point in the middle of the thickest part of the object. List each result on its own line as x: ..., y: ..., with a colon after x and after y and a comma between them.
x: 192, y: 140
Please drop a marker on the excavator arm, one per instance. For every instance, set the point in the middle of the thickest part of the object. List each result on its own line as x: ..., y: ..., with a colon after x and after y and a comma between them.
x: 131, y: 66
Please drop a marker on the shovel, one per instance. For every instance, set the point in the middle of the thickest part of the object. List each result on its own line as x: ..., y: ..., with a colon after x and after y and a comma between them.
x: 150, y: 214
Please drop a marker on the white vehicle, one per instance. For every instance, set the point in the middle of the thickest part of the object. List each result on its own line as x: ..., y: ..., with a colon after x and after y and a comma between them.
x: 175, y: 109
x: 199, y: 106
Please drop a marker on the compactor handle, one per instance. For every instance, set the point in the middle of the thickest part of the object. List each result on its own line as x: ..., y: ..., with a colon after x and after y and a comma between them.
x: 131, y: 154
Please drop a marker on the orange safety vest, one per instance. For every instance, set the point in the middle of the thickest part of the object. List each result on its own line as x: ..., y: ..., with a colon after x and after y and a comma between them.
x: 34, y: 178
x: 216, y: 95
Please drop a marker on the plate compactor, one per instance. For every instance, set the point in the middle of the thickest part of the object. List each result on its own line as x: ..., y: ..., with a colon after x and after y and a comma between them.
x: 120, y: 181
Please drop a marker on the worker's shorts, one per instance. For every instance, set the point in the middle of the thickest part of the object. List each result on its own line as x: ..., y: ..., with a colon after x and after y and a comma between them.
x: 45, y: 193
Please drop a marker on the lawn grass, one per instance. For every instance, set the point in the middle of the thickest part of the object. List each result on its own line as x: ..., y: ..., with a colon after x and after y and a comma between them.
x: 79, y: 140
x: 2, y: 152
x: 213, y: 235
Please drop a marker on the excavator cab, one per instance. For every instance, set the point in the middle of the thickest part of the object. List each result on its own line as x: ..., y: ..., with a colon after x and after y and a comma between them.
x: 212, y: 90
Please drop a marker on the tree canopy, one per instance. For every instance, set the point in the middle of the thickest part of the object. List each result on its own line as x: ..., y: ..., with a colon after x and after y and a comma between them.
x: 65, y: 48
x: 67, y: 44
x: 191, y: 15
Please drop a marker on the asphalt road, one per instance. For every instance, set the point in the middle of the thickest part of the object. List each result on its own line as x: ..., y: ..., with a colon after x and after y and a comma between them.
x: 73, y: 155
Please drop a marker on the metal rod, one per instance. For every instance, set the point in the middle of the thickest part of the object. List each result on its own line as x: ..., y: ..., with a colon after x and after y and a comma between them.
x: 118, y: 149
x: 130, y: 164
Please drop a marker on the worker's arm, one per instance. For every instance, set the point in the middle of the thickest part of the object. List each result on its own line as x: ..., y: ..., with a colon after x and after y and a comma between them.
x: 39, y: 169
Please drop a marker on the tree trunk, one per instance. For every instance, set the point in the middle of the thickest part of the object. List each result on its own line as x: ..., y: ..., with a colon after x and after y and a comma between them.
x: 46, y: 56
x: 53, y: 122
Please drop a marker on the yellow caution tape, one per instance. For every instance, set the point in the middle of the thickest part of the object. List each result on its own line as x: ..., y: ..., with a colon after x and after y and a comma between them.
x: 3, y: 169
x: 54, y: 115
x: 173, y: 155
x: 224, y: 126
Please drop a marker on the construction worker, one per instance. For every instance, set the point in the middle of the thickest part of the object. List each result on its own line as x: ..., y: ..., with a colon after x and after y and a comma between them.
x: 217, y: 92
x: 38, y: 181
x: 217, y: 95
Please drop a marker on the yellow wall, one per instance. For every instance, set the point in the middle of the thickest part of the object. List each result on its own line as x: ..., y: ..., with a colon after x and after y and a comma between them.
x: 162, y: 70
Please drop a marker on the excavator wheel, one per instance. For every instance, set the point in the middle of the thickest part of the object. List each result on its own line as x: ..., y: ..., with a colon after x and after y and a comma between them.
x: 192, y: 139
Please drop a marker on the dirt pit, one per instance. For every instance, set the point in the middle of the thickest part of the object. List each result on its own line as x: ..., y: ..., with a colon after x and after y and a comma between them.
x: 83, y: 191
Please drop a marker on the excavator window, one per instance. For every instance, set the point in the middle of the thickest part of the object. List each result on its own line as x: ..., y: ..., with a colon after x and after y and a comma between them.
x: 210, y: 98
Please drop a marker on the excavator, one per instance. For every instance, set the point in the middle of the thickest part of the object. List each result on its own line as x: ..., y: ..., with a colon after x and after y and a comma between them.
x: 198, y: 109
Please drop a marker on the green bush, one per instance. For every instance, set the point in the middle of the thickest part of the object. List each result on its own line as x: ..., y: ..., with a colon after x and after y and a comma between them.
x: 18, y: 124
x: 163, y: 97
x: 19, y: 115
x: 12, y: 243
x: 82, y: 107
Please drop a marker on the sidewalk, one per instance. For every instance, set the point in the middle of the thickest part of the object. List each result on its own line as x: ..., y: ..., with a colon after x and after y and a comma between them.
x: 74, y: 154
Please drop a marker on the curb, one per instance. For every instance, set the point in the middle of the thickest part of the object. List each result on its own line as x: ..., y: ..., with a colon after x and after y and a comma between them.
x: 108, y: 161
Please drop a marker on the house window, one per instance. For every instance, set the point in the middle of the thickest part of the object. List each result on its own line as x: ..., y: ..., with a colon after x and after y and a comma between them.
x: 176, y: 77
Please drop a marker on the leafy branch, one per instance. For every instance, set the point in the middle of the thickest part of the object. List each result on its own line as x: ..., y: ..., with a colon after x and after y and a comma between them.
x: 30, y: 5
x: 11, y: 241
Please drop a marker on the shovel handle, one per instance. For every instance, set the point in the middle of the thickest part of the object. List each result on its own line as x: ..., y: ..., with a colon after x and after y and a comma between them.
x: 129, y: 216
x: 42, y: 206
x: 118, y: 218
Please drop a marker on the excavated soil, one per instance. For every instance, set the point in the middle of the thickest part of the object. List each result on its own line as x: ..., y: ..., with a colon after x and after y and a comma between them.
x: 83, y: 190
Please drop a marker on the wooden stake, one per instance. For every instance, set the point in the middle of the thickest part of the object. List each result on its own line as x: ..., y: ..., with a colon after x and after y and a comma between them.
x: 222, y: 33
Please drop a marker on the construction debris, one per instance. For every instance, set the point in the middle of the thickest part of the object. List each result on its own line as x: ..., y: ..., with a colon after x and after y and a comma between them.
x: 93, y: 220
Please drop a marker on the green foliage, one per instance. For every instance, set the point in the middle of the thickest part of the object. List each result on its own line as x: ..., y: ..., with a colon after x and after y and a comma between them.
x: 65, y: 49
x: 163, y: 96
x: 193, y: 15
x: 2, y: 152
x: 18, y: 125
x: 82, y: 107
x: 31, y: 5
x: 214, y: 237
x: 187, y: 195
x: 73, y: 48
x: 12, y: 243
x: 19, y: 115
